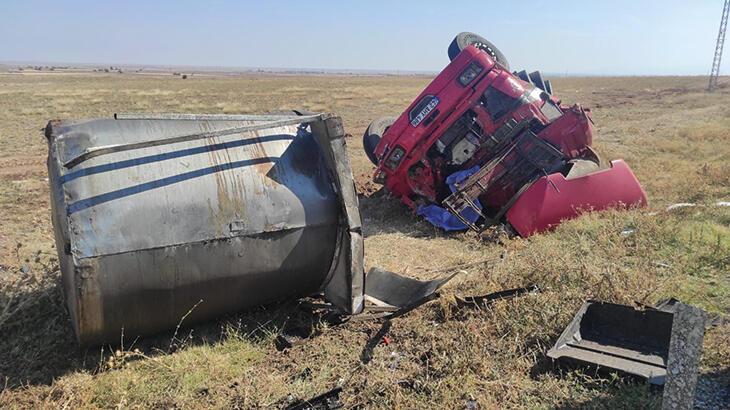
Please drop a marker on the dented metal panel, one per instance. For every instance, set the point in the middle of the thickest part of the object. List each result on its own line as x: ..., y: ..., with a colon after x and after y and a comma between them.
x: 618, y: 337
x: 346, y: 286
x: 206, y: 213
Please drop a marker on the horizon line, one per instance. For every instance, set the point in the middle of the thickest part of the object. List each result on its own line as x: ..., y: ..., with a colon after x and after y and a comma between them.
x: 225, y: 69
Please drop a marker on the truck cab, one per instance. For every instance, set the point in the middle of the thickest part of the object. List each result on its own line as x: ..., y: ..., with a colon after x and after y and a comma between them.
x: 495, y: 130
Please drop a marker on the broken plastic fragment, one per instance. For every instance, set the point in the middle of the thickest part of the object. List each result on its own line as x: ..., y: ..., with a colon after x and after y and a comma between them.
x: 440, y: 217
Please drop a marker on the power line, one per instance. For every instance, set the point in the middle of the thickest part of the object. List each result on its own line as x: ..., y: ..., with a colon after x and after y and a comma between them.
x: 715, y: 72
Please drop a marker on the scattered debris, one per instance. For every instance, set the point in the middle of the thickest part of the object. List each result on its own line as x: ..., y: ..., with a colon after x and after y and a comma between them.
x: 680, y: 206
x: 481, y: 301
x: 289, y: 339
x: 471, y: 404
x: 395, y: 358
x: 644, y: 343
x: 692, y: 205
x: 628, y: 232
x: 367, y: 352
x: 392, y: 295
x: 326, y: 401
x: 389, y: 288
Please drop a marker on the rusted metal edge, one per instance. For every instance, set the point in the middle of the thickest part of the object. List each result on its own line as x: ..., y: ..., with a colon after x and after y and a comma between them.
x: 109, y: 149
x: 346, y: 287
x: 202, y: 117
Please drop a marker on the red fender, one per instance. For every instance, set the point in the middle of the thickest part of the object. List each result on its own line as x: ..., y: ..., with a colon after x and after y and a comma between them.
x: 553, y: 198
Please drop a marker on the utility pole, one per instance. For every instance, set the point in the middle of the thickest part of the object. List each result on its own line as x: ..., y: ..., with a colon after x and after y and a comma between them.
x: 715, y: 73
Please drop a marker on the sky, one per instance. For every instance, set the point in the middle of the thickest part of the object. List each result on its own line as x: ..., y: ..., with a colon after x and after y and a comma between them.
x: 617, y: 37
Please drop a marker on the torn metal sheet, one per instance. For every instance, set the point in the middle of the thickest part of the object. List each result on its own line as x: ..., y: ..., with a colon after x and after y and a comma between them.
x: 621, y: 338
x: 618, y: 337
x: 400, y: 291
x: 160, y: 219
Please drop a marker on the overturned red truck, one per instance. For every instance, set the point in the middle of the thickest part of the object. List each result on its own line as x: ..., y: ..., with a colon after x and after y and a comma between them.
x: 482, y: 146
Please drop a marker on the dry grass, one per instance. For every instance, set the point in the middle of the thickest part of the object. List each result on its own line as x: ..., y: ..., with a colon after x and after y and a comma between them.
x: 673, y: 135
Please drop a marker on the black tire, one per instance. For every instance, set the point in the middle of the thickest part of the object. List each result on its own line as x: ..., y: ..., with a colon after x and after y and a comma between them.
x: 462, y: 40
x: 373, y: 134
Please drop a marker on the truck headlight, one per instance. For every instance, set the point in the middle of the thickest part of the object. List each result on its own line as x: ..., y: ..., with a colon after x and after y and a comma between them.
x: 395, y: 158
x: 470, y: 74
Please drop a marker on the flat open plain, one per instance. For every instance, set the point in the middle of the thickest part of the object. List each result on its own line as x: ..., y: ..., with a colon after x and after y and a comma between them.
x: 674, y: 135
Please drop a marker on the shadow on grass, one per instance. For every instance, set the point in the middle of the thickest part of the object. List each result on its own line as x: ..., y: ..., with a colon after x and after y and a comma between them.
x: 366, y: 356
x: 602, y: 389
x: 382, y: 214
x: 625, y: 392
x: 619, y: 396
x: 37, y: 343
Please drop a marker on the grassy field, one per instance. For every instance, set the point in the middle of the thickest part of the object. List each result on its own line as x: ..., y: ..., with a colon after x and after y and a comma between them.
x: 675, y: 136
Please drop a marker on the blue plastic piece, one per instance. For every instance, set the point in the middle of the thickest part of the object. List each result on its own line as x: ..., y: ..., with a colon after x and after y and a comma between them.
x: 441, y: 217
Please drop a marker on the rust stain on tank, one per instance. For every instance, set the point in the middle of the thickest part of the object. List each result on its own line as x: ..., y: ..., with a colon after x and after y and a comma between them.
x: 229, y: 187
x: 259, y: 151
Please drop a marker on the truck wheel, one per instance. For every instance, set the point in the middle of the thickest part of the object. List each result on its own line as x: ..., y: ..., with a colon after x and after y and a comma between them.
x: 462, y: 40
x: 373, y: 134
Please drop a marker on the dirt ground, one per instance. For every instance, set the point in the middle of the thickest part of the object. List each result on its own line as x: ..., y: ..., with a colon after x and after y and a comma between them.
x: 675, y: 136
